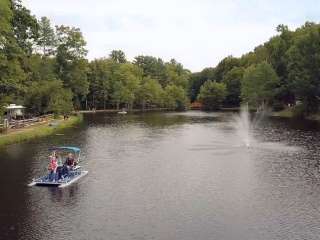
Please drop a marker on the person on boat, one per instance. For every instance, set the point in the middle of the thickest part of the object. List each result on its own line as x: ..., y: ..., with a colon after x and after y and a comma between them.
x: 70, y: 162
x: 52, y: 167
x: 68, y: 165
x: 59, y: 174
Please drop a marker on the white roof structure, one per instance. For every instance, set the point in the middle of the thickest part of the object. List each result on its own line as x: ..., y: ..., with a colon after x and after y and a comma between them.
x: 13, y: 106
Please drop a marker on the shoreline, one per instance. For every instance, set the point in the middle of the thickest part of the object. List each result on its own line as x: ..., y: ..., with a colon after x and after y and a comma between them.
x: 37, y: 131
x: 129, y: 111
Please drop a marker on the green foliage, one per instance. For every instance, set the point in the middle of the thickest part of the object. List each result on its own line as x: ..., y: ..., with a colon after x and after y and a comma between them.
x: 43, y: 68
x: 5, y: 19
x: 25, y: 27
x: 152, y: 67
x: 60, y: 102
x: 150, y: 92
x: 225, y: 66
x: 47, y: 38
x: 128, y: 79
x: 118, y: 56
x: 259, y: 84
x: 212, y: 94
x: 175, y: 97
x: 37, y: 132
x: 304, y: 66
x: 197, y: 80
x: 99, y: 77
x: 232, y: 80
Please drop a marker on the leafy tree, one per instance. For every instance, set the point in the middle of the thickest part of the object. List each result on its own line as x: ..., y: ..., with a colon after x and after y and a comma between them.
x: 152, y: 67
x: 25, y: 27
x: 150, y: 92
x: 212, y: 94
x: 304, y: 66
x: 175, y: 97
x: 126, y: 80
x: 72, y: 66
x: 118, y: 56
x: 176, y: 74
x: 225, y: 66
x: 47, y: 38
x: 61, y: 102
x: 232, y: 80
x: 197, y: 80
x: 12, y: 80
x: 259, y: 84
x: 5, y: 21
x: 99, y: 77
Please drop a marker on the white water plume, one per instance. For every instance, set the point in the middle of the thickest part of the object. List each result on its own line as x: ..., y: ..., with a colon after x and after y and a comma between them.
x: 242, y: 124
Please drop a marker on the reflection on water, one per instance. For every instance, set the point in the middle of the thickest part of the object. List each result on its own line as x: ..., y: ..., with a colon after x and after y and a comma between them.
x: 168, y: 176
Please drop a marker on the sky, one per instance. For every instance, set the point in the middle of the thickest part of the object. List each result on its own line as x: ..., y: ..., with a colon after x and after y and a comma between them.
x: 197, y: 33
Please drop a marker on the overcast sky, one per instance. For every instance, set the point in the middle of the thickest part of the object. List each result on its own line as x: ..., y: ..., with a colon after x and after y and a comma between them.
x: 197, y: 33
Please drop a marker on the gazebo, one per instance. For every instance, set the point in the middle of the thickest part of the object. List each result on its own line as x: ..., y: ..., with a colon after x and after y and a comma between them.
x: 14, y: 111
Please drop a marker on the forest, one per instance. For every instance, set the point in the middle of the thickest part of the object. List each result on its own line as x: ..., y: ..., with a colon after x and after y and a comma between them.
x: 45, y: 68
x: 282, y: 72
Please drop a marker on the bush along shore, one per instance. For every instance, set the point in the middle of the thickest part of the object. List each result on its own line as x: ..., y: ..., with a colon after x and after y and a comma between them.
x: 39, y: 130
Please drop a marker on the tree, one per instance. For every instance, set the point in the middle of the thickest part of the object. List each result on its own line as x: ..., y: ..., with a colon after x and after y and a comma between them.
x: 175, y: 97
x: 125, y: 84
x: 47, y: 38
x: 176, y: 74
x: 225, y: 66
x: 25, y: 27
x: 259, y: 84
x: 150, y: 92
x: 196, y: 80
x: 61, y: 102
x: 152, y: 67
x: 72, y: 66
x: 5, y: 21
x: 304, y: 66
x: 232, y: 80
x: 99, y: 77
x: 118, y: 56
x: 212, y: 94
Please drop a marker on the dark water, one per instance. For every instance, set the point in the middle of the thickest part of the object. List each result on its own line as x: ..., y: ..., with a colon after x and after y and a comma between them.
x: 168, y: 176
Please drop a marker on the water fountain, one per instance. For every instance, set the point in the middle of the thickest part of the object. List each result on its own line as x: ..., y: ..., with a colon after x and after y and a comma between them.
x: 243, y: 126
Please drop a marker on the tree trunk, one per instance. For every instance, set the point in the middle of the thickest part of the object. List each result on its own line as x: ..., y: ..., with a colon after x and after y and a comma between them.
x: 104, y: 101
x: 143, y: 105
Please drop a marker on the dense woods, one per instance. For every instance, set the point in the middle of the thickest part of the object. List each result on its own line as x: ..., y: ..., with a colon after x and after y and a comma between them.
x: 285, y: 71
x: 45, y: 68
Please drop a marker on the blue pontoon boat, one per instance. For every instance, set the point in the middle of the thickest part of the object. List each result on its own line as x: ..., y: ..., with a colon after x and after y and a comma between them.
x: 72, y: 175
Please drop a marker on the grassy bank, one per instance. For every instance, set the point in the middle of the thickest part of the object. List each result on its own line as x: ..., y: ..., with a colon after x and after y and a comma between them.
x: 39, y: 130
x: 289, y: 113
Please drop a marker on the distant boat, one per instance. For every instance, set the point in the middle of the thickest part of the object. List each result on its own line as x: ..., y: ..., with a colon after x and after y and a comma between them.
x: 123, y: 111
x: 73, y: 175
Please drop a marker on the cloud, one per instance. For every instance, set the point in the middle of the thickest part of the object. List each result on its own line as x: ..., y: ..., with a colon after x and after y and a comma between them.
x: 196, y: 33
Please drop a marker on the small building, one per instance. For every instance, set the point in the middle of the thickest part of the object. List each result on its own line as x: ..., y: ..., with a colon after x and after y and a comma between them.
x: 14, y: 111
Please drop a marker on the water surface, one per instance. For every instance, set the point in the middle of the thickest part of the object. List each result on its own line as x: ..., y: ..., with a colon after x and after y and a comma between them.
x: 168, y: 176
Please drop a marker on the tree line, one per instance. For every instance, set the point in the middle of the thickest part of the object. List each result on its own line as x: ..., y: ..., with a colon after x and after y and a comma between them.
x: 284, y: 71
x: 45, y: 68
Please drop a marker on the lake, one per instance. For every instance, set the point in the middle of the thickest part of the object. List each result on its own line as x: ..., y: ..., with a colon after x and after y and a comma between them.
x: 162, y: 176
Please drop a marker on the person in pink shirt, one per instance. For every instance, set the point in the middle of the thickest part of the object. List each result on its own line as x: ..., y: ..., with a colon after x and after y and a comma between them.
x: 53, y: 167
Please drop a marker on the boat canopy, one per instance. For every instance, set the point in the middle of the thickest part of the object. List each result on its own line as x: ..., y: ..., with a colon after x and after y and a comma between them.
x: 66, y: 148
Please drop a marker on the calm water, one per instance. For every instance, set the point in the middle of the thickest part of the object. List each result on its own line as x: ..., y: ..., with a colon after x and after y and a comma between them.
x: 168, y: 176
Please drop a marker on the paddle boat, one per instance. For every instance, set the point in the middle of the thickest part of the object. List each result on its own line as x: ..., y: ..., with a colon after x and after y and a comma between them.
x: 62, y: 178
